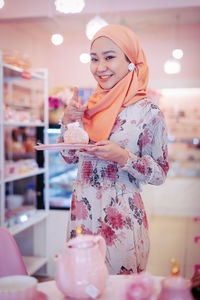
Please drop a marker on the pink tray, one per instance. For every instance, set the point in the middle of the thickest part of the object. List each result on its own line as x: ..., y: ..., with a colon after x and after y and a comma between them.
x: 61, y: 146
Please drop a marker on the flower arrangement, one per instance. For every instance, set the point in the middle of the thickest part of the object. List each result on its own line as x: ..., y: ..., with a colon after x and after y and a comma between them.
x: 59, y: 97
x: 55, y: 103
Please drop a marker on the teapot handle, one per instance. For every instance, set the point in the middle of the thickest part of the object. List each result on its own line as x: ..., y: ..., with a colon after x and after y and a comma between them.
x: 102, y: 245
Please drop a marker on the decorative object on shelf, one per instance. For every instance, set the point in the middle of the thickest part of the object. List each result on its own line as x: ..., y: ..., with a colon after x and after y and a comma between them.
x: 15, y: 58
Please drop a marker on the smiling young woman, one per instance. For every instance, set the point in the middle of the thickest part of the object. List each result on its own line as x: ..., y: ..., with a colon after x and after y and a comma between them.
x: 129, y: 139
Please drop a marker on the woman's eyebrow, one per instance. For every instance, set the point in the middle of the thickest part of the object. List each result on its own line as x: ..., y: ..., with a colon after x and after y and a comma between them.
x: 105, y: 52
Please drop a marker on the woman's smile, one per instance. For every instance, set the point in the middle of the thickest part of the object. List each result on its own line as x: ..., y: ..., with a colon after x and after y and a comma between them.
x: 104, y: 78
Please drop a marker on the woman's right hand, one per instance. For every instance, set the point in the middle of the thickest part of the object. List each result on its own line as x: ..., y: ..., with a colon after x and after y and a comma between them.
x: 74, y: 110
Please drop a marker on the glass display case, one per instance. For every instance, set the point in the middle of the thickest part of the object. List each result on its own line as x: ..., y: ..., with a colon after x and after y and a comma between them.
x: 61, y: 175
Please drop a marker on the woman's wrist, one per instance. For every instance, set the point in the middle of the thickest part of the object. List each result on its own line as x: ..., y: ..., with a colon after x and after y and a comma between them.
x: 122, y: 160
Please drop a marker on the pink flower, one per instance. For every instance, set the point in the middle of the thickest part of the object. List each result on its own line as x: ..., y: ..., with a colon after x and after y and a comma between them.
x: 139, y: 167
x: 138, y: 201
x: 112, y: 172
x: 108, y: 234
x: 145, y: 137
x: 73, y: 205
x: 145, y: 221
x: 114, y: 218
x: 86, y: 230
x: 87, y: 169
x: 80, y: 210
x: 99, y: 194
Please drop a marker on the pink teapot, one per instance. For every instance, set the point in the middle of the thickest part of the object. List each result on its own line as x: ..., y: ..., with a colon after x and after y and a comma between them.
x: 81, y: 271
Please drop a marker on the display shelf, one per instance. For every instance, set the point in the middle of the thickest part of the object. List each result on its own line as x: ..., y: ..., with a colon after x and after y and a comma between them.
x: 21, y: 124
x: 34, y: 263
x: 34, y: 75
x: 24, y: 105
x: 25, y: 175
x: 36, y: 218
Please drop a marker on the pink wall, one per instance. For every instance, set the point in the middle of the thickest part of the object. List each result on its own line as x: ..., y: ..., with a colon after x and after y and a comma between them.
x: 63, y: 61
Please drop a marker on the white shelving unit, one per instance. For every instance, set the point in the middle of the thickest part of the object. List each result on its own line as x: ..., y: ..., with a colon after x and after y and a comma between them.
x: 33, y: 228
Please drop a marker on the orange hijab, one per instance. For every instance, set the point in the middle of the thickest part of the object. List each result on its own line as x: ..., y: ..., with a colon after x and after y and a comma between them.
x: 104, y: 105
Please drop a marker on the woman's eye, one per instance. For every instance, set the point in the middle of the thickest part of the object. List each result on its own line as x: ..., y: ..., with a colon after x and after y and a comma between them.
x: 109, y: 57
x: 93, y: 59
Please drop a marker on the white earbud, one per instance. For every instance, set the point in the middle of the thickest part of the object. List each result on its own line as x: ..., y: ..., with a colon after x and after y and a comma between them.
x: 131, y: 67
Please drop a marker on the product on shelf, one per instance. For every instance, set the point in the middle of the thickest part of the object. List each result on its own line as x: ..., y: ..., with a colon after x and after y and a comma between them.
x: 75, y: 134
x: 19, y: 215
x: 17, y: 59
x: 19, y: 167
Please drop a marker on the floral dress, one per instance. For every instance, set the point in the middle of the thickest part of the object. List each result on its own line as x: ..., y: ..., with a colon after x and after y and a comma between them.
x: 106, y: 199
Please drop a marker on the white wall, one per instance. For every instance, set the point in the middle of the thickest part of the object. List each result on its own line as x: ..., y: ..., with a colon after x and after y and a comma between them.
x: 63, y: 61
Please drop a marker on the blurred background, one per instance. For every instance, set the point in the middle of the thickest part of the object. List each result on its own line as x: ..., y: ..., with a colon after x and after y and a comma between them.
x: 46, y: 35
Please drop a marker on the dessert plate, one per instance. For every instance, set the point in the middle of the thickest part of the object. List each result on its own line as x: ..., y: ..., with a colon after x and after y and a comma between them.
x: 61, y: 146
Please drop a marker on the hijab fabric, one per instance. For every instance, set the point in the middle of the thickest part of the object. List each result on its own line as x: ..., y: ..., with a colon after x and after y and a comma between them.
x: 104, y: 105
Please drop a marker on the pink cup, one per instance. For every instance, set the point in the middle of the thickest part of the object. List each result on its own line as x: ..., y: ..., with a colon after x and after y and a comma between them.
x: 173, y: 288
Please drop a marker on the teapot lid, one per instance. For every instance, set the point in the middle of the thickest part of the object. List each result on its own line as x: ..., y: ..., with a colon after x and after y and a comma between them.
x: 82, y: 241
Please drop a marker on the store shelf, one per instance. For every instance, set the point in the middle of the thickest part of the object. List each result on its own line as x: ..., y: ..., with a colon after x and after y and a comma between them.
x: 34, y: 263
x: 15, y: 69
x: 20, y: 91
x: 25, y: 175
x: 39, y: 216
x: 23, y: 124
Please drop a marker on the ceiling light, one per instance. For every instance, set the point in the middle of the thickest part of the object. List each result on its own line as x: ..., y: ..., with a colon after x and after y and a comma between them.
x: 84, y: 58
x: 69, y: 6
x: 2, y: 3
x: 172, y: 66
x: 177, y: 53
x: 94, y: 25
x: 57, y: 39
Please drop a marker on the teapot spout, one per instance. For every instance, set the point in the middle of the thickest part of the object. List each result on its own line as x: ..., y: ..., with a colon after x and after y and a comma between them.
x: 57, y: 256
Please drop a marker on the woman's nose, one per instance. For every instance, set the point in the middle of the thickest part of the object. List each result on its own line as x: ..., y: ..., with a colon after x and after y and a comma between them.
x: 101, y: 66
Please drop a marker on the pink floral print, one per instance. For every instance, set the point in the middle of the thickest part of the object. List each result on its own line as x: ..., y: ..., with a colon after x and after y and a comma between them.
x: 106, y: 198
x: 114, y: 218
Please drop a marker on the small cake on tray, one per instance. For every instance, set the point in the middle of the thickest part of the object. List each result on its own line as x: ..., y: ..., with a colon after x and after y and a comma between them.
x: 75, y: 134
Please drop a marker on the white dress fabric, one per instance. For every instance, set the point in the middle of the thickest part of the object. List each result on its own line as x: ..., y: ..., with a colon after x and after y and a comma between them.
x: 106, y: 199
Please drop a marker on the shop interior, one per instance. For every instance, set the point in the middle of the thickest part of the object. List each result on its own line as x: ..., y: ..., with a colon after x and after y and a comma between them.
x: 37, y: 76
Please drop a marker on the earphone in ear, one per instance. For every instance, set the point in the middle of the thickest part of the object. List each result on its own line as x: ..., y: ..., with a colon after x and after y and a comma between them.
x: 131, y: 67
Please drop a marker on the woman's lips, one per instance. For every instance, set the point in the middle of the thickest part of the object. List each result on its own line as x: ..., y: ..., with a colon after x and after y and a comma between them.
x: 104, y: 78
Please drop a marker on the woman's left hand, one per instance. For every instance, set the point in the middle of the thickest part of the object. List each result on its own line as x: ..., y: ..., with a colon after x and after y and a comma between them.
x: 109, y: 151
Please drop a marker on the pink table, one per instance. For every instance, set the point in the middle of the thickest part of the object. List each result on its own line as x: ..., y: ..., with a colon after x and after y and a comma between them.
x: 50, y: 291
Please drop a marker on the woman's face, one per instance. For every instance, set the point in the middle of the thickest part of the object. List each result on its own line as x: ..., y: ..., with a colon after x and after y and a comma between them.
x: 108, y: 63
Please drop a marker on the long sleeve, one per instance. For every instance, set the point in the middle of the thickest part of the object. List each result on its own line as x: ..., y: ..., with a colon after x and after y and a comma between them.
x: 151, y: 165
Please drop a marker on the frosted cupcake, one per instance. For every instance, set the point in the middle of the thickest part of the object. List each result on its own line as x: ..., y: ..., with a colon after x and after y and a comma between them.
x: 75, y: 134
